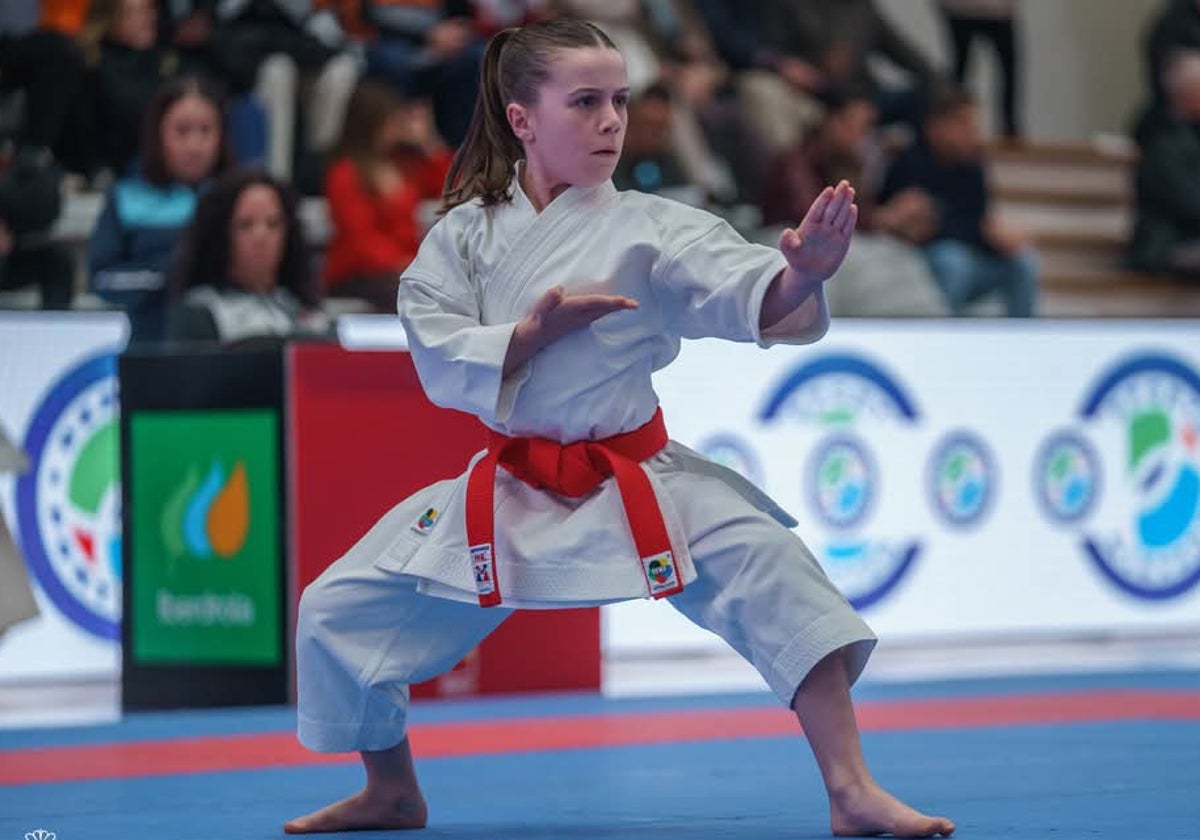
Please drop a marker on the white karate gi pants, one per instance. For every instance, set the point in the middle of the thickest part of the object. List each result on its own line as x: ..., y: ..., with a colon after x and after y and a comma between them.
x: 364, y: 633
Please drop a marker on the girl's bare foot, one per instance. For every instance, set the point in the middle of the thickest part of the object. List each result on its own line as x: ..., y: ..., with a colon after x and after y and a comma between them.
x: 868, y: 810
x: 365, y: 810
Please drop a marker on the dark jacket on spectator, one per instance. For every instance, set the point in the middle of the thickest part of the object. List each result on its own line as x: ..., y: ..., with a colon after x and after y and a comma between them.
x: 132, y: 247
x: 811, y: 28
x: 122, y: 83
x: 739, y: 32
x: 959, y: 192
x: 308, y: 16
x: 1168, y: 203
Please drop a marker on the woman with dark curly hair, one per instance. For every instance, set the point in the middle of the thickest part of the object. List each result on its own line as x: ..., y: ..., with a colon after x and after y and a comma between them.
x: 244, y: 269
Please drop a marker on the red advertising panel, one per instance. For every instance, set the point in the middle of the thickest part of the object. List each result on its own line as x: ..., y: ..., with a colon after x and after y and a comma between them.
x: 362, y: 436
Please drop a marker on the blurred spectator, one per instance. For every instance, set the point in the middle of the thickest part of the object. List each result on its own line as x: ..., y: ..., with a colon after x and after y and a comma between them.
x: 648, y: 162
x: 716, y: 136
x: 624, y: 21
x: 1176, y: 28
x: 776, y: 85
x: 47, y: 67
x: 283, y: 50
x: 427, y: 49
x: 245, y: 270
x: 30, y: 201
x: 883, y: 274
x: 131, y: 249
x: 126, y: 65
x: 840, y: 38
x: 1166, y: 233
x: 970, y: 252
x: 493, y: 15
x: 836, y: 149
x: 969, y: 21
x: 387, y: 161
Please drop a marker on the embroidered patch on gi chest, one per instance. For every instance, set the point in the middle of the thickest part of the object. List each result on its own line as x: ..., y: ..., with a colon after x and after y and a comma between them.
x: 660, y: 572
x: 483, y: 561
x: 425, y: 524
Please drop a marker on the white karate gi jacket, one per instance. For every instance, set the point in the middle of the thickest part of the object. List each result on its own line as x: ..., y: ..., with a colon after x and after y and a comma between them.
x: 478, y: 272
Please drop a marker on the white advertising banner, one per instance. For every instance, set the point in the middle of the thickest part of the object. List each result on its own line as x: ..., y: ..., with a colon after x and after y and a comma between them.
x: 58, y: 407
x: 965, y: 479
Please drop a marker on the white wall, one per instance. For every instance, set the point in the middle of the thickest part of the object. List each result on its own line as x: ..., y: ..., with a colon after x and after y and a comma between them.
x: 1083, y: 61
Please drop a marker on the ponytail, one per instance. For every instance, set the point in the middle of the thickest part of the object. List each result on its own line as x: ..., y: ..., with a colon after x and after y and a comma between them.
x: 485, y: 164
x: 515, y: 65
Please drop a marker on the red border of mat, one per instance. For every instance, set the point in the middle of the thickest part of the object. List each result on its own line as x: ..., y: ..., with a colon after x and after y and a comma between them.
x: 245, y: 752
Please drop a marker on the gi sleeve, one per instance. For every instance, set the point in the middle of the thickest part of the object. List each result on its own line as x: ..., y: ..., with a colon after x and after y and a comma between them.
x: 459, y: 360
x: 711, y: 282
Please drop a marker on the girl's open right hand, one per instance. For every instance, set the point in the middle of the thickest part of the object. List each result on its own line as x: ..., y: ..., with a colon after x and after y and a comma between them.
x: 555, y: 315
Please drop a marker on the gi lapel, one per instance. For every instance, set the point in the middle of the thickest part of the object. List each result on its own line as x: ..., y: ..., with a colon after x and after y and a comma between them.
x: 558, y: 225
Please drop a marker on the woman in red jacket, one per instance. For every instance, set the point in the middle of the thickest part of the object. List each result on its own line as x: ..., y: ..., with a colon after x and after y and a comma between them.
x: 388, y: 161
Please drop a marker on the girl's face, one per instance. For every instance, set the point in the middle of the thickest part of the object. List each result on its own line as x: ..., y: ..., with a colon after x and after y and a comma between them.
x: 257, y: 233
x: 136, y: 25
x: 574, y: 132
x: 190, y: 133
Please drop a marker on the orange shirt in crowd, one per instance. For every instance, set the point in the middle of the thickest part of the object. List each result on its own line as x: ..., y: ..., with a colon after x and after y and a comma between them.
x: 378, y: 234
x: 65, y: 16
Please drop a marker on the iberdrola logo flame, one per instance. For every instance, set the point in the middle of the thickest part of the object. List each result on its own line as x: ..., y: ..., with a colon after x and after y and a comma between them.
x: 208, y: 515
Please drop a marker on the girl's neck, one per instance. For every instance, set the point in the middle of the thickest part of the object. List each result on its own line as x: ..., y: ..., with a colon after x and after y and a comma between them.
x: 538, y: 188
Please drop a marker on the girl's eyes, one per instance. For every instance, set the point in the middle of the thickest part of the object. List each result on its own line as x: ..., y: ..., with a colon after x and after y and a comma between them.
x: 591, y: 100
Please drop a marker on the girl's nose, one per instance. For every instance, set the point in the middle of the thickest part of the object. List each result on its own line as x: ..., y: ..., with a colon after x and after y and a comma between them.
x: 610, y: 120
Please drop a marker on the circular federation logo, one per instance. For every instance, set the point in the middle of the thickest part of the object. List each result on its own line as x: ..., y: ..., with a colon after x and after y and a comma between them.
x: 1152, y: 404
x: 841, y: 481
x: 849, y: 399
x: 69, y: 503
x: 1066, y: 477
x: 962, y: 479
x: 731, y: 451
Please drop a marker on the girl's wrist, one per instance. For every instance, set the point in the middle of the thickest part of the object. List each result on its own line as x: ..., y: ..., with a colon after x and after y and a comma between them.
x: 794, y: 286
x: 520, y: 346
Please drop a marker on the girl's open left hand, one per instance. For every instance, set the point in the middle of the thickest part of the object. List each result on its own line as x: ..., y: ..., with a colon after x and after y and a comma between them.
x: 817, y: 247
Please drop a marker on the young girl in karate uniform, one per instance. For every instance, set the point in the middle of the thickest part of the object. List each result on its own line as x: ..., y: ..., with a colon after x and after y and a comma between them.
x: 541, y: 302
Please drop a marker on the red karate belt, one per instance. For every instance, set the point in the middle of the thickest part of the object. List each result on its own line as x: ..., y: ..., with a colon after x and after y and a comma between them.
x: 574, y: 470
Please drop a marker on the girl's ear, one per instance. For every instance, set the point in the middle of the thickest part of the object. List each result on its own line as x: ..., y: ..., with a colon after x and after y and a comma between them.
x: 519, y: 121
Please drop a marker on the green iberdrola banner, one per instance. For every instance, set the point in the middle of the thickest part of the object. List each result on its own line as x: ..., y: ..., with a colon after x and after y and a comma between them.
x: 205, y: 516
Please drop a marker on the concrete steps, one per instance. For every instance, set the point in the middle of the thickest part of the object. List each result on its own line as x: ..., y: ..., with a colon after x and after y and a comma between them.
x: 1076, y: 201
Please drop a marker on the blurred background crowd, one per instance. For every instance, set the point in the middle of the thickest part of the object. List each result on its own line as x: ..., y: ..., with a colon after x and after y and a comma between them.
x: 223, y: 169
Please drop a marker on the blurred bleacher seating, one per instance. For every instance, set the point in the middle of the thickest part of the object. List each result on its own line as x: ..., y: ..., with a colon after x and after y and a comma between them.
x: 1075, y: 200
